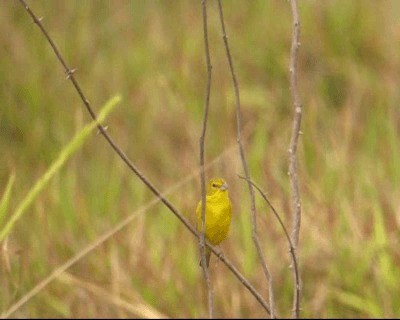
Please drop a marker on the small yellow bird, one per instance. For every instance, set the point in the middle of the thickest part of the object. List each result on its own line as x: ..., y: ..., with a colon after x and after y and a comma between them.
x: 218, y: 214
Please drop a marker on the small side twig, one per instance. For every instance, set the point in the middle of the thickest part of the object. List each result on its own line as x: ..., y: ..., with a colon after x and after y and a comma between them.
x: 202, y: 174
x: 294, y: 184
x: 291, y: 247
x: 244, y: 164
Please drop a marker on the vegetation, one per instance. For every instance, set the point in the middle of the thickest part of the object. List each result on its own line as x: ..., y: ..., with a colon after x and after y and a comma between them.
x: 152, y: 53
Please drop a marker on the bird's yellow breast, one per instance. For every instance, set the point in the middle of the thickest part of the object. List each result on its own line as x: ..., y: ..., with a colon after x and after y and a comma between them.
x: 218, y: 217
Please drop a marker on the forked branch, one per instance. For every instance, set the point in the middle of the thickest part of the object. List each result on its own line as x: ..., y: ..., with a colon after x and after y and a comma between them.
x: 291, y: 247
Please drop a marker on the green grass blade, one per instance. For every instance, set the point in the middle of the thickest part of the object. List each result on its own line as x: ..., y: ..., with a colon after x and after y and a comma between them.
x: 367, y: 306
x: 5, y: 200
x: 64, y: 155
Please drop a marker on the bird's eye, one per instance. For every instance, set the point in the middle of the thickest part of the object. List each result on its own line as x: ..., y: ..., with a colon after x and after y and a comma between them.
x: 214, y: 185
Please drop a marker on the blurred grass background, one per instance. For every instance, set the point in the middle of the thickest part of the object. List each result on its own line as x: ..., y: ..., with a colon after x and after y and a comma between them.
x: 152, y: 53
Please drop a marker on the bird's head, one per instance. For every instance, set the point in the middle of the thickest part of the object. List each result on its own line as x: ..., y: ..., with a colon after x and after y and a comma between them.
x: 216, y: 185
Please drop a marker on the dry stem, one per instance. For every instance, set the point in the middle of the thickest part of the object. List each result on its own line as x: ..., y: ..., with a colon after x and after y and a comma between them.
x: 294, y: 184
x: 202, y: 174
x: 245, y: 166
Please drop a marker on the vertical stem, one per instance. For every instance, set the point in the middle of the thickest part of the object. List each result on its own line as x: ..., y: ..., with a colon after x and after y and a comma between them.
x: 294, y: 185
x: 244, y: 164
x: 202, y: 174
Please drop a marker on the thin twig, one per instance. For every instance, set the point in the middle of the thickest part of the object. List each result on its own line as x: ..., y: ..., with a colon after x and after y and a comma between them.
x: 202, y: 174
x: 137, y: 172
x: 244, y: 164
x: 294, y: 184
x: 121, y: 154
x: 291, y: 247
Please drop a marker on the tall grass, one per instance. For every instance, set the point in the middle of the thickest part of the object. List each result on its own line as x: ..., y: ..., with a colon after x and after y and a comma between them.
x: 152, y: 52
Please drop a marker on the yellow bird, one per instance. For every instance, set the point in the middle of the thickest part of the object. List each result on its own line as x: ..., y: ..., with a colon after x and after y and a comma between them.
x: 218, y: 214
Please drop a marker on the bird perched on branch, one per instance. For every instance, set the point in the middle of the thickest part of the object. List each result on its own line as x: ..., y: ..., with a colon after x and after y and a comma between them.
x: 218, y: 214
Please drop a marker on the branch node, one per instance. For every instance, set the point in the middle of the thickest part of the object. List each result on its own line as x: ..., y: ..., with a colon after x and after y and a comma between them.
x: 105, y: 128
x: 69, y: 73
x: 36, y: 21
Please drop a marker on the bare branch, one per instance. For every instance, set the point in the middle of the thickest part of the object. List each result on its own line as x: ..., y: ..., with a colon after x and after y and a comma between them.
x: 137, y: 172
x: 202, y: 174
x: 244, y: 163
x: 291, y: 248
x: 294, y: 184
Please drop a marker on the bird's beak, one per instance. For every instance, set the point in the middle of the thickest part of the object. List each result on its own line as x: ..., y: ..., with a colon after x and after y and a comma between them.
x: 224, y: 187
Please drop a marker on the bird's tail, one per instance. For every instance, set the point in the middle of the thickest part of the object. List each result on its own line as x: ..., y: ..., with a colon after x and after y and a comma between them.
x: 208, y: 256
